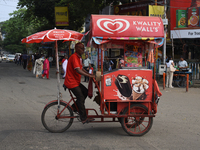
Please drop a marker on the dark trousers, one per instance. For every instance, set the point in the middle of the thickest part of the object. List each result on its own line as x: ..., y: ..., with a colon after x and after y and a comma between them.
x: 81, y: 93
x: 24, y: 63
x: 86, y: 77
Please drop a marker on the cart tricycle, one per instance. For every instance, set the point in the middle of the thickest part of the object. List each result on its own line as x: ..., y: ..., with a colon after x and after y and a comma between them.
x: 128, y: 95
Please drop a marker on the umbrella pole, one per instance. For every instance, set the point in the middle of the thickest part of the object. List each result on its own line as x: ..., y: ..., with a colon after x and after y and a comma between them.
x: 58, y: 75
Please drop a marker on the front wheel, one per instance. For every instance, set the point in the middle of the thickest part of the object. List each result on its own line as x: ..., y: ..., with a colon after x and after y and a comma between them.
x: 137, y: 126
x: 52, y: 122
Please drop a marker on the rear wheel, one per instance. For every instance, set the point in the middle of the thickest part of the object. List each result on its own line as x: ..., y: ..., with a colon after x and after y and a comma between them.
x: 136, y: 126
x: 53, y: 123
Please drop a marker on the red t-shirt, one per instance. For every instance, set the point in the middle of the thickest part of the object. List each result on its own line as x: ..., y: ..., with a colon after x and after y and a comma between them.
x: 72, y: 78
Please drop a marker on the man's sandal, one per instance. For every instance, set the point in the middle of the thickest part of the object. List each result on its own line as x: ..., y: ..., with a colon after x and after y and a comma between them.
x: 88, y: 120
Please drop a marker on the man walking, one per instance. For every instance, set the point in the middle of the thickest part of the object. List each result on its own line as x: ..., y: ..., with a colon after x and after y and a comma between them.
x: 24, y: 58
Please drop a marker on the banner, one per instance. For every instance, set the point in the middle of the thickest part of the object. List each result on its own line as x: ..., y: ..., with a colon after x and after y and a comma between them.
x: 156, y: 11
x: 120, y: 26
x: 61, y: 16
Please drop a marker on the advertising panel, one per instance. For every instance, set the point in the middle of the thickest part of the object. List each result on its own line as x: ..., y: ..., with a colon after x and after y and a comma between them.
x: 193, y: 16
x: 181, y: 16
x: 128, y: 84
x: 156, y: 11
x: 133, y: 55
x: 61, y: 16
x: 175, y: 5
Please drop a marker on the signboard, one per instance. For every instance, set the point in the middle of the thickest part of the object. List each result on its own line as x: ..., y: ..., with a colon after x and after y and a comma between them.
x: 61, y: 16
x: 156, y: 11
x: 177, y: 34
x: 116, y: 26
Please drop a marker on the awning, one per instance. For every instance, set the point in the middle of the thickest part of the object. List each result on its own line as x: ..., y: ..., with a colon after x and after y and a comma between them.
x: 120, y: 27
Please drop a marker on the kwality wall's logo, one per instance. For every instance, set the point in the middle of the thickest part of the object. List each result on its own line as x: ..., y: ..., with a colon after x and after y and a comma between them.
x: 121, y: 25
x: 110, y: 26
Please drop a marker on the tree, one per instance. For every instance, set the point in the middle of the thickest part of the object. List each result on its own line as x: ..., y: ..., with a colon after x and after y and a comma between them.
x: 17, y: 28
x: 78, y: 10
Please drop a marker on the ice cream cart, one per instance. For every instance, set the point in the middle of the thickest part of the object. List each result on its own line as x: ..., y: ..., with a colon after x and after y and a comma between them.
x: 129, y: 95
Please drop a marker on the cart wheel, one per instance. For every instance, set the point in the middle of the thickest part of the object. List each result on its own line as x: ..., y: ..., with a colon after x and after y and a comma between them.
x: 50, y: 120
x: 137, y: 126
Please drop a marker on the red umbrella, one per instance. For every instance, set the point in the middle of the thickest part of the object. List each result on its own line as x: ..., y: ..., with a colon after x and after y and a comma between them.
x: 54, y: 35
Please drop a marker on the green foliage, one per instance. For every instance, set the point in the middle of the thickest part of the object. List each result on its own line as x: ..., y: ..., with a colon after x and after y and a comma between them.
x: 78, y: 10
x: 15, y: 29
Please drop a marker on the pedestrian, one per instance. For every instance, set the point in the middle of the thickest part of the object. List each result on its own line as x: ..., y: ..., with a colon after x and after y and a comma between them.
x: 64, y: 66
x: 33, y: 59
x: 121, y: 62
x: 169, y: 73
x: 86, y: 64
x: 30, y: 64
x: 18, y: 58
x: 111, y: 63
x: 73, y: 81
x: 24, y: 58
x: 91, y: 69
x: 62, y: 71
x: 50, y: 61
x: 182, y: 64
x: 105, y: 64
x: 46, y: 68
x: 38, y: 67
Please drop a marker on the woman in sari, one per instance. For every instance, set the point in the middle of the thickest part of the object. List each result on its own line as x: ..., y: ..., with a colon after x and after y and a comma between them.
x: 46, y: 68
x: 30, y: 64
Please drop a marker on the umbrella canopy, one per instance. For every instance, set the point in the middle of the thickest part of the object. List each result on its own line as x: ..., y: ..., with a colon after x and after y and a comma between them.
x: 53, y: 35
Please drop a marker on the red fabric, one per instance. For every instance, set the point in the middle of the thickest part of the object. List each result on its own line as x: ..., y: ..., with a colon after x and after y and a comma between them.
x: 46, y: 65
x: 46, y: 68
x: 63, y: 60
x: 72, y: 78
x: 157, y: 90
x: 46, y: 73
x: 90, y: 88
x: 91, y: 70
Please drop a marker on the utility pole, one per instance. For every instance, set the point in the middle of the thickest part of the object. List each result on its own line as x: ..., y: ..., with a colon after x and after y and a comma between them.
x: 165, y: 28
x: 172, y: 47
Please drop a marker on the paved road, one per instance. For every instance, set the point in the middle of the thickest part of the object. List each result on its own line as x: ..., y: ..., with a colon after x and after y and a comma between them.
x: 23, y: 97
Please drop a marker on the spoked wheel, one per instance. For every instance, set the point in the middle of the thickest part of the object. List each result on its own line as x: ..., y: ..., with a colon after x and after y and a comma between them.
x: 52, y: 122
x: 136, y: 126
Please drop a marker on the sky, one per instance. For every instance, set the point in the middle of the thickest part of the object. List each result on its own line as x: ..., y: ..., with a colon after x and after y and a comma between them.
x: 6, y: 7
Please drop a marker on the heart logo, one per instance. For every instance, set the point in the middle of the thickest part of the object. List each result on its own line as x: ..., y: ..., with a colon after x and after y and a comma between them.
x: 110, y: 26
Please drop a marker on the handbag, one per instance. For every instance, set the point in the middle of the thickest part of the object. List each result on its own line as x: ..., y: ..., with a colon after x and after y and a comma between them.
x: 171, y: 68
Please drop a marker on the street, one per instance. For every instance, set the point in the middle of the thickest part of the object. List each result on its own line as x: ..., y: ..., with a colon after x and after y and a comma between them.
x: 23, y: 97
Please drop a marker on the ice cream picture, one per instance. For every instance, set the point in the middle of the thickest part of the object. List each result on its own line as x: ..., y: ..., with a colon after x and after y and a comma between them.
x: 123, y: 85
x: 139, y: 86
x: 131, y: 91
